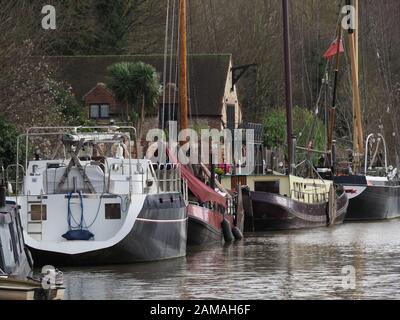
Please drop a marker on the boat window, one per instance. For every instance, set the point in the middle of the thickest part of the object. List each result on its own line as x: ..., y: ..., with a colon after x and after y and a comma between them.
x: 38, y: 212
x: 14, y: 242
x: 2, y: 264
x: 267, y: 186
x: 18, y: 229
x: 113, y: 211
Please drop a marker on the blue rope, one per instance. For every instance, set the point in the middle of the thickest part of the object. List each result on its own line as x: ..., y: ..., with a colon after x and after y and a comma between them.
x: 82, y: 224
x: 70, y: 215
x: 97, y: 214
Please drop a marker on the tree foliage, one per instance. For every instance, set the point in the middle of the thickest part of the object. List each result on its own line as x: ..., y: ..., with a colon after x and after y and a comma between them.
x: 250, y: 30
x: 96, y: 26
x: 306, y: 128
x: 137, y: 85
x: 8, y: 142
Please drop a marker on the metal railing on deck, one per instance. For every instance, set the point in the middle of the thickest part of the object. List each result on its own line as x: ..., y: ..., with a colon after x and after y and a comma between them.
x: 306, y: 197
x: 168, y: 176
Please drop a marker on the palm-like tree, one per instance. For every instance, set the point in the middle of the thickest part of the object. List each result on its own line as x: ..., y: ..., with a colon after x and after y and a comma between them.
x: 120, y: 82
x: 135, y: 84
x: 146, y: 90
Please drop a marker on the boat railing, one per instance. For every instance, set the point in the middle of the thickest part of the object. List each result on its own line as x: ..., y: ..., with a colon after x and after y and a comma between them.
x: 168, y: 177
x: 381, y: 139
x: 99, y: 132
x: 118, y: 177
x: 308, y: 197
x: 185, y: 191
x: 232, y: 204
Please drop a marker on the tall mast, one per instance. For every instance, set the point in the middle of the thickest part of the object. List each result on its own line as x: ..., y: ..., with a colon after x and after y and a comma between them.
x: 358, y: 134
x: 183, y: 87
x: 288, y: 77
x: 332, y: 111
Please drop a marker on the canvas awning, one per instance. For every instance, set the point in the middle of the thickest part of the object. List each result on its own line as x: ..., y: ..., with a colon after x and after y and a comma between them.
x: 201, y: 191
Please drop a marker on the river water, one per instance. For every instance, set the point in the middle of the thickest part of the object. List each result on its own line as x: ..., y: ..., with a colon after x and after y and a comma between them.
x: 353, y: 261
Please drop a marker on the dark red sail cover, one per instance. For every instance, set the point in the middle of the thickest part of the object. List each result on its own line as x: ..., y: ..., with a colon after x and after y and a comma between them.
x: 201, y: 191
x: 332, y: 51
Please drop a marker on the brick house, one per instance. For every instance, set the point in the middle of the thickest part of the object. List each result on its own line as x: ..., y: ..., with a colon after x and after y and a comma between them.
x: 213, y: 100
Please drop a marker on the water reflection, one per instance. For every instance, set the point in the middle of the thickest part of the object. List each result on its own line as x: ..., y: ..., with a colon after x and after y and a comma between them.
x: 281, y: 265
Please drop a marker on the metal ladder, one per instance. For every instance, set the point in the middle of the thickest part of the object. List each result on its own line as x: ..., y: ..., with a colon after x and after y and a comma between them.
x: 35, y: 227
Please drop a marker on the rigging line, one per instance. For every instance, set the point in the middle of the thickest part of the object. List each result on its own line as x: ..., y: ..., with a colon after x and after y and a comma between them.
x: 381, y: 60
x: 174, y: 111
x: 171, y: 60
x: 304, y: 64
x: 165, y: 64
x: 381, y: 69
x: 323, y: 87
x: 387, y: 76
x: 385, y: 59
x: 364, y: 73
x: 208, y: 23
x: 387, y: 48
x: 192, y: 84
x: 214, y: 22
x: 318, y: 38
x: 317, y: 108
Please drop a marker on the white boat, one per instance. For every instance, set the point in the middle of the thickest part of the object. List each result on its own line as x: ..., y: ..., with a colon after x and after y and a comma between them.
x: 90, y: 203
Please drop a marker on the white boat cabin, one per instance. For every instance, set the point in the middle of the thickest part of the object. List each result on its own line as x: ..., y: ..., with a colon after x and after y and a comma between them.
x: 296, y: 188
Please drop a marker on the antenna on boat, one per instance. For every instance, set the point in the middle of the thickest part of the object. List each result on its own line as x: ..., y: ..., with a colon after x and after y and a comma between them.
x: 288, y: 79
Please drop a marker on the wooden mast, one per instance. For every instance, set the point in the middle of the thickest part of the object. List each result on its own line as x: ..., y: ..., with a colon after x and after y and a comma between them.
x: 288, y: 78
x: 358, y: 134
x: 183, y: 88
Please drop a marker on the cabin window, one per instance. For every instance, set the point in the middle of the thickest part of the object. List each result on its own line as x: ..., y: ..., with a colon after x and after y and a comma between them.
x: 19, y: 232
x: 38, y: 212
x: 113, y: 211
x: 267, y: 186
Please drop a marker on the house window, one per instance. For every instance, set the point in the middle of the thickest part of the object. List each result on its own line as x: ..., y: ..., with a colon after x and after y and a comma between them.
x: 104, y: 111
x: 99, y: 111
x: 94, y: 111
x: 230, y: 116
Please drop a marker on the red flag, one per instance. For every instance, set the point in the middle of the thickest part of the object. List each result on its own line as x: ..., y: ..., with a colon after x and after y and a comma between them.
x: 332, y: 51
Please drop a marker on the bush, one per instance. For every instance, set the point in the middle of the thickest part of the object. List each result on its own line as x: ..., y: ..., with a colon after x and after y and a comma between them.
x: 8, y: 142
x: 303, y: 122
